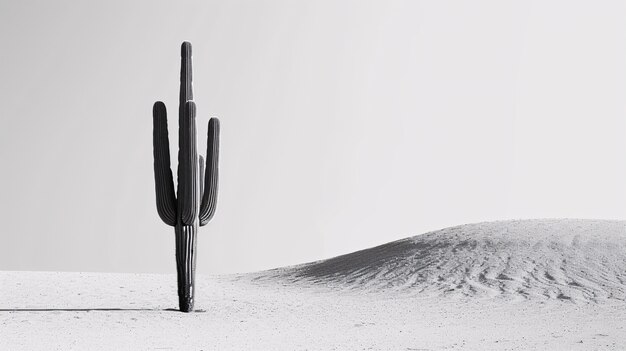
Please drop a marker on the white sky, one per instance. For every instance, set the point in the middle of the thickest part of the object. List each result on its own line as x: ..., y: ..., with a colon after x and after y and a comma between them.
x: 345, y: 124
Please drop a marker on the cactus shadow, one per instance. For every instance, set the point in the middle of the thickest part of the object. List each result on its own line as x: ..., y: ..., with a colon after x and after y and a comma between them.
x: 87, y: 309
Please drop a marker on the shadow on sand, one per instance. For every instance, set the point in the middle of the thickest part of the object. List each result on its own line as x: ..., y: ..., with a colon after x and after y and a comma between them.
x: 90, y: 309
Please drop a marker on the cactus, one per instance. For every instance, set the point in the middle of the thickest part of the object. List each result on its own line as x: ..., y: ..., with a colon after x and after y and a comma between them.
x: 194, y: 203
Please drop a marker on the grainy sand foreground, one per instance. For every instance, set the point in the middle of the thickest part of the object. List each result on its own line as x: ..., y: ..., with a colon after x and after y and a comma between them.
x: 513, y: 285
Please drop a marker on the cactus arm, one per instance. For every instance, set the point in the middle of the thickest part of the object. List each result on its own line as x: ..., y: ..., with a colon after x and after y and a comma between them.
x: 188, y: 185
x: 164, y: 183
x: 209, y: 196
x: 201, y: 174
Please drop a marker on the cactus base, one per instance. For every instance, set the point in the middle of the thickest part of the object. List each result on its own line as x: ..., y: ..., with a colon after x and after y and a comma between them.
x: 186, y: 239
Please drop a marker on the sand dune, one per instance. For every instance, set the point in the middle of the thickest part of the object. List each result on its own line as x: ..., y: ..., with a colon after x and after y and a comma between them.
x: 569, y: 259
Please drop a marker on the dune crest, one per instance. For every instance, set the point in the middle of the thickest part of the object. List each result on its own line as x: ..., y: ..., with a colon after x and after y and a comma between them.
x: 566, y: 259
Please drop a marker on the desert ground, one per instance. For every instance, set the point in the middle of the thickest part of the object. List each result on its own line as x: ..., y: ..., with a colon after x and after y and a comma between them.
x: 509, y: 285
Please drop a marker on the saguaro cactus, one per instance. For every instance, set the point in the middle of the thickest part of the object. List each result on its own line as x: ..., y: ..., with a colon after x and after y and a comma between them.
x: 196, y: 196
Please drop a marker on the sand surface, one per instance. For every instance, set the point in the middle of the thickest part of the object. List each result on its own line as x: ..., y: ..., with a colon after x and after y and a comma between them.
x: 514, y: 285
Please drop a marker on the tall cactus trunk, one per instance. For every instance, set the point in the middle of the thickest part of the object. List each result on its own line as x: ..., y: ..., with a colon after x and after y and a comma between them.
x: 193, y: 204
x: 186, y: 243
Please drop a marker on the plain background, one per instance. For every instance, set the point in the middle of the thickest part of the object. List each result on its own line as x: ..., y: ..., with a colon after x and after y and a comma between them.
x: 345, y: 124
